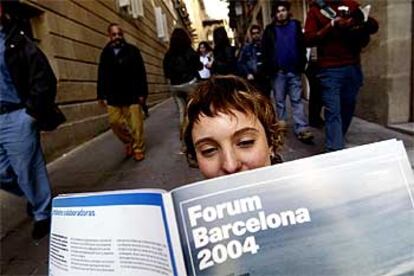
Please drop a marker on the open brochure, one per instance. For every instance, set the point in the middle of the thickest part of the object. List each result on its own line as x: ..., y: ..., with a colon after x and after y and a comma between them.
x: 342, y: 213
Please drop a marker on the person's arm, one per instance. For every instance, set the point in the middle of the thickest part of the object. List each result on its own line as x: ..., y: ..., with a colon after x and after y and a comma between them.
x: 210, y: 60
x: 360, y: 33
x: 243, y: 60
x: 101, y: 78
x: 195, y: 61
x: 369, y: 27
x: 167, y: 65
x: 142, y: 77
x: 372, y: 25
x: 267, y: 48
x: 313, y: 33
x: 301, y: 46
x: 41, y: 82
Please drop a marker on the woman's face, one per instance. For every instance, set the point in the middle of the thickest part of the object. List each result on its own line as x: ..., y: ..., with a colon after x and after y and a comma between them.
x: 227, y: 144
x: 202, y: 49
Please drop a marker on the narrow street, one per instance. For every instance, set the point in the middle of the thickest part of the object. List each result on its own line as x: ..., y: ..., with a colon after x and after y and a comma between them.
x: 99, y: 165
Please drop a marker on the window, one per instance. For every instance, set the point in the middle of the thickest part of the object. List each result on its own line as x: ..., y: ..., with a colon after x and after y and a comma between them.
x: 133, y: 8
x: 161, y: 23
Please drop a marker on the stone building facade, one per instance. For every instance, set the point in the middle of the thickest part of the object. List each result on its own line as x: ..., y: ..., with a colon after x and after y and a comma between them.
x: 387, y: 97
x: 72, y: 34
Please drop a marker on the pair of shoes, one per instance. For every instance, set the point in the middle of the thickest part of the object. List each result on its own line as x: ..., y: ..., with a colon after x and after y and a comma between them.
x: 139, y: 156
x: 305, y: 136
x: 41, y: 228
x: 129, y: 151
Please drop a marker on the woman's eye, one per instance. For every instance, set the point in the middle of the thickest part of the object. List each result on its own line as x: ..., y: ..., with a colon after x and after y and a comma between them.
x: 246, y: 143
x: 207, y: 152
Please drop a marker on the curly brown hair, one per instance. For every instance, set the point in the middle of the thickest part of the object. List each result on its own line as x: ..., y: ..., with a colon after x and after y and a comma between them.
x: 224, y: 94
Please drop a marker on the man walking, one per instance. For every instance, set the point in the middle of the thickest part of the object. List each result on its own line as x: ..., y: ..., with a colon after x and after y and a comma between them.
x: 284, y: 57
x: 122, y: 87
x: 339, y: 29
x: 27, y: 94
x: 250, y: 61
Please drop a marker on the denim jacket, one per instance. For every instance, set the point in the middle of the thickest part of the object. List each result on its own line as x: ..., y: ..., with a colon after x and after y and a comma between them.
x: 250, y: 59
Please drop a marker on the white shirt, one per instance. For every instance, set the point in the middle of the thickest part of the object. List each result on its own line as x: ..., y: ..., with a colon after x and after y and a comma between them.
x: 205, y: 72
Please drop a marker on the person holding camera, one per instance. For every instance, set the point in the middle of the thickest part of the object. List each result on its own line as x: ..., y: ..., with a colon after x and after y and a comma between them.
x: 339, y: 29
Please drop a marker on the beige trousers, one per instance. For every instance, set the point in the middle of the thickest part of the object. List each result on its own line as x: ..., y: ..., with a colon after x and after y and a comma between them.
x: 127, y: 123
x: 181, y: 94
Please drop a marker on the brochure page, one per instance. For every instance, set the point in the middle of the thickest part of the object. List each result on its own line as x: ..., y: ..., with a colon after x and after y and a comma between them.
x: 124, y: 233
x: 332, y: 214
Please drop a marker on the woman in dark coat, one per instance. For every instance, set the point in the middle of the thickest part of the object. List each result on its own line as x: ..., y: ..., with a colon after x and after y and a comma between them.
x: 224, y: 54
x: 181, y: 65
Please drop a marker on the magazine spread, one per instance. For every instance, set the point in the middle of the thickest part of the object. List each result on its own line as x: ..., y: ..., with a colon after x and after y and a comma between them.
x: 343, y: 213
x: 114, y: 233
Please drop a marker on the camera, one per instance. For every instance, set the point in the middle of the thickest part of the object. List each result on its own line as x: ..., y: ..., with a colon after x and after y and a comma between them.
x: 343, y: 11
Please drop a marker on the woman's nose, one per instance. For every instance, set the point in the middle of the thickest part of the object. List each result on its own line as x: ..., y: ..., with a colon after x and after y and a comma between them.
x: 231, y: 162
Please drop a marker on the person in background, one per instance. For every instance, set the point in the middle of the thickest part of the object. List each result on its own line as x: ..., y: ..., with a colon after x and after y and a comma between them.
x: 315, y: 98
x: 181, y: 65
x: 206, y: 58
x: 231, y: 127
x: 27, y: 95
x: 251, y: 63
x: 284, y: 56
x: 339, y: 29
x: 122, y: 88
x: 224, y: 54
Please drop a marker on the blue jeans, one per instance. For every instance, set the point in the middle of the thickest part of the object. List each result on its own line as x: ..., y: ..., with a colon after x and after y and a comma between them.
x: 22, y: 166
x: 282, y: 85
x: 339, y: 88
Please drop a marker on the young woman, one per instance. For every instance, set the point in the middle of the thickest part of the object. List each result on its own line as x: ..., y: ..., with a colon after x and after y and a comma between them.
x: 224, y: 54
x: 181, y: 65
x: 231, y: 127
x: 206, y: 58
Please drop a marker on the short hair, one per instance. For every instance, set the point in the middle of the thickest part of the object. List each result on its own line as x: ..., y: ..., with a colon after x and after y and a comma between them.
x: 112, y: 25
x: 280, y: 3
x: 222, y: 94
x: 255, y: 27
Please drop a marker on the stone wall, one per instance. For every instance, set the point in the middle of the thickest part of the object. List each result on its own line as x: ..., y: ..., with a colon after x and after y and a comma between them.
x: 386, y: 96
x: 72, y: 34
x: 399, y: 42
